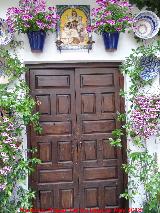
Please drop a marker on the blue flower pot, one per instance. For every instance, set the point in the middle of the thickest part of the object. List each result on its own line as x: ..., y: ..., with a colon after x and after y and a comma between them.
x: 36, y: 40
x: 111, y: 40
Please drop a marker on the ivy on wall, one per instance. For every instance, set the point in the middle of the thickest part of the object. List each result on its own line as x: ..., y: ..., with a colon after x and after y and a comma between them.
x: 16, y: 112
x: 141, y: 122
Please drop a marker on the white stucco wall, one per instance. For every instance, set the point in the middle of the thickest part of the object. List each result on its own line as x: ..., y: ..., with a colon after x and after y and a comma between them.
x: 52, y: 55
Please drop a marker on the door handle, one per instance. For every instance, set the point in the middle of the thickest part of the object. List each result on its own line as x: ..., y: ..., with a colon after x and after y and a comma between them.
x: 80, y: 144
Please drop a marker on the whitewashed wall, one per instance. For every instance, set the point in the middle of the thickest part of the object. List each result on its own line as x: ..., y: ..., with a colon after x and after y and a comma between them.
x: 51, y: 54
x: 98, y: 54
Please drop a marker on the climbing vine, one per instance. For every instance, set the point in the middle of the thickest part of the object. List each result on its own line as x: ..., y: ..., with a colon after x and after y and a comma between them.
x: 141, y: 122
x: 16, y: 112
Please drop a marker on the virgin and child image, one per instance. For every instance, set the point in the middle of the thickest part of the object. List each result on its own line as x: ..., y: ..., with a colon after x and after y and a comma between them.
x: 73, y: 27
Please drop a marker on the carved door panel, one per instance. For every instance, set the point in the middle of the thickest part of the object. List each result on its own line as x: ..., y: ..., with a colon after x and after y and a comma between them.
x: 56, y: 178
x: 79, y: 168
x: 97, y: 101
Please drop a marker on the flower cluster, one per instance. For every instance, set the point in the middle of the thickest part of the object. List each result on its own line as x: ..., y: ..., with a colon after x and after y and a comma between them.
x: 32, y: 15
x: 8, y: 150
x: 111, y: 16
x: 145, y: 116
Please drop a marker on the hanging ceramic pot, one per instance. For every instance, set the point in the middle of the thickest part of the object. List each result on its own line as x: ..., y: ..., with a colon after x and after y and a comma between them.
x: 111, y: 40
x: 36, y: 40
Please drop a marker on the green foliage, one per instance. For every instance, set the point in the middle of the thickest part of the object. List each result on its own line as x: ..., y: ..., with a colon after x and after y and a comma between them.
x: 11, y: 66
x: 131, y: 67
x: 14, y: 166
x: 142, y: 168
x: 116, y: 140
x: 150, y: 4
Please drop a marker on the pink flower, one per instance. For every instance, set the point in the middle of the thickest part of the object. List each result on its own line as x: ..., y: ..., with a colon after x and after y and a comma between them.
x: 124, y: 4
x: 145, y: 116
x: 89, y: 29
x: 32, y: 15
x: 26, y: 17
x: 2, y: 187
x: 111, y: 22
x: 118, y: 29
x: 48, y: 17
x: 107, y: 14
x: 52, y: 9
x: 4, y: 134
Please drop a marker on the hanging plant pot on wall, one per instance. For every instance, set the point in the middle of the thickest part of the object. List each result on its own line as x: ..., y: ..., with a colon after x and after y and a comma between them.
x: 111, y: 40
x: 36, y: 40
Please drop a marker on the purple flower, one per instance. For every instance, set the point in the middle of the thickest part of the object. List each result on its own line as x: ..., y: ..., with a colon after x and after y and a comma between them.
x: 4, y: 134
x: 145, y: 116
x: 40, y: 24
x: 111, y: 22
x: 48, y: 17
x: 3, y: 186
x: 124, y: 4
x: 26, y: 17
x: 105, y: 17
x: 118, y: 29
x: 112, y: 1
x: 32, y: 15
x: 89, y: 29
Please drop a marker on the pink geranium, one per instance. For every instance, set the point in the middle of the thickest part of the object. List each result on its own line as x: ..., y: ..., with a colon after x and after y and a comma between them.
x: 145, y: 115
x: 114, y: 15
x: 32, y: 15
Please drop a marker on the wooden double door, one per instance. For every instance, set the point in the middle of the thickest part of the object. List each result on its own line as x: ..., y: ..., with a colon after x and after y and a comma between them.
x: 78, y: 105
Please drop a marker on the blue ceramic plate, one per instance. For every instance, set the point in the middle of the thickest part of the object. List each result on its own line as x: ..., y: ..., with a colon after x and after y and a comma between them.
x: 147, y: 25
x: 151, y: 67
x: 5, y: 33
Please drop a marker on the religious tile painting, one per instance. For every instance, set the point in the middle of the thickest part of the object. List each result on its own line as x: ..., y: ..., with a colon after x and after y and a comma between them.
x: 72, y: 27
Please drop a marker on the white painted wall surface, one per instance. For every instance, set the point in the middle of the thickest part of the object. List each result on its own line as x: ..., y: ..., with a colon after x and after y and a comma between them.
x: 98, y: 54
x: 51, y: 54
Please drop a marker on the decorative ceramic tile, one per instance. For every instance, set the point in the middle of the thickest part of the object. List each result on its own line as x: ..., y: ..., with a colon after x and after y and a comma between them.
x: 72, y: 26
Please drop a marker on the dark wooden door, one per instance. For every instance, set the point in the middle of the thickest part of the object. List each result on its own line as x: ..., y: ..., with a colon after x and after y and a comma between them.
x: 78, y: 107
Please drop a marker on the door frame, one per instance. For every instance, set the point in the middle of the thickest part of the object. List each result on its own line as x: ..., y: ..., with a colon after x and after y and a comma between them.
x: 60, y: 65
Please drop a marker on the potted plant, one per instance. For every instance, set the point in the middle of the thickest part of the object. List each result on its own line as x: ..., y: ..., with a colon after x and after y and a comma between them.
x: 111, y: 18
x: 33, y: 18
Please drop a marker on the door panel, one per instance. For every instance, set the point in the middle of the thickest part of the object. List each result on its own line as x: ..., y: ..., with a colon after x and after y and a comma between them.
x: 56, y: 178
x: 78, y: 108
x: 100, y: 173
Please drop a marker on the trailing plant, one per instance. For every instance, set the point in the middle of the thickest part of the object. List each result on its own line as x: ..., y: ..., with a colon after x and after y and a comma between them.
x: 14, y: 168
x: 32, y: 15
x: 16, y: 112
x: 111, y: 16
x: 10, y: 66
x: 141, y: 122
